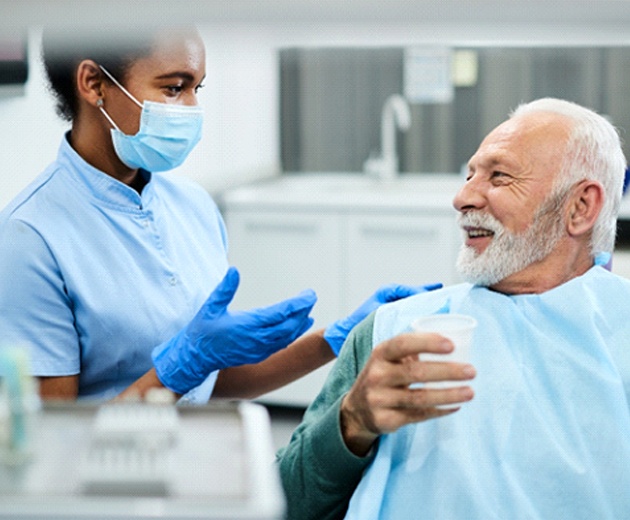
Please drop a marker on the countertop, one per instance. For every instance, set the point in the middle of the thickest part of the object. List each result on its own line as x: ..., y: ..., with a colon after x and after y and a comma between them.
x: 355, y: 191
x: 347, y: 191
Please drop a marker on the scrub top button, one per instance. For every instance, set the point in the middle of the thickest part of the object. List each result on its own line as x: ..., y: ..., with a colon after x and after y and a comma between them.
x: 172, y: 280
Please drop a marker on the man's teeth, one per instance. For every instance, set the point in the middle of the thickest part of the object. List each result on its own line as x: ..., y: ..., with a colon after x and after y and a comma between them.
x: 475, y: 233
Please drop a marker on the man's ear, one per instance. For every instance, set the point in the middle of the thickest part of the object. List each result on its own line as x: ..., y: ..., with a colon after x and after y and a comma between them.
x: 90, y: 82
x: 585, y: 205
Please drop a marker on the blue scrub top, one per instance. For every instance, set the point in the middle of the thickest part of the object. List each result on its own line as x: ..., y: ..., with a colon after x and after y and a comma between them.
x: 94, y: 275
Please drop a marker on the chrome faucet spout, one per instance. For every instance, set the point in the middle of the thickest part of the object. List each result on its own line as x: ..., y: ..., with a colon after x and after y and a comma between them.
x: 395, y: 114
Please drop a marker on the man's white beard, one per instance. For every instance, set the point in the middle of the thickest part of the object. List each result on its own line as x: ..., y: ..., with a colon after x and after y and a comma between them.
x: 508, y: 252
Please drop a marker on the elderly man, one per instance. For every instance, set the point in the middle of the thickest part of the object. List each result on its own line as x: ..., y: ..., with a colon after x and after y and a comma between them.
x: 541, y: 428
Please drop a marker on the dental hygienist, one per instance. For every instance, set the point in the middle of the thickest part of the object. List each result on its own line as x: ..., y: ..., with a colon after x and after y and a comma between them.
x: 106, y: 264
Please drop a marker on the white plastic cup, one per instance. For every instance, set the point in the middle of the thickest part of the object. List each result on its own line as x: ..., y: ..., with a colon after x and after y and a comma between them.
x: 459, y: 328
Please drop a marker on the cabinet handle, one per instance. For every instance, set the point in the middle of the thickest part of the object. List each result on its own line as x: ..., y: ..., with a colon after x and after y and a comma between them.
x: 281, y: 227
x: 380, y: 232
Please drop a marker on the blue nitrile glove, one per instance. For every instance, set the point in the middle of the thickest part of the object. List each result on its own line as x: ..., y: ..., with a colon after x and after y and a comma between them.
x: 336, y: 333
x: 217, y: 338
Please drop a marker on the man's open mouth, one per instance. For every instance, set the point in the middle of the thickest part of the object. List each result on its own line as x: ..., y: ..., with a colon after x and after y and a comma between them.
x: 475, y: 232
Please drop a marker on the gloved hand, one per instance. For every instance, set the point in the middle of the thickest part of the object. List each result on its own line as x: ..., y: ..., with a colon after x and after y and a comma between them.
x: 217, y: 338
x: 336, y: 333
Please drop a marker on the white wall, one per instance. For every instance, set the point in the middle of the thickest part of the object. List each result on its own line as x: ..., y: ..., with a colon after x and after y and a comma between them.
x: 241, y: 135
x: 29, y: 129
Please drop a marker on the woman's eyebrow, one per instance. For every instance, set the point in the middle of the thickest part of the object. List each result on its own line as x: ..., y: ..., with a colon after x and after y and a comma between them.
x: 178, y: 74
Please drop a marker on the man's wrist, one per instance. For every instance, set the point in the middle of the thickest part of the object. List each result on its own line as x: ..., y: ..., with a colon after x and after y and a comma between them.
x: 358, y: 439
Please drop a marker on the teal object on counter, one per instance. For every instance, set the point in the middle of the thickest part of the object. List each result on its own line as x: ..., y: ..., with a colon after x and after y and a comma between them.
x: 18, y: 394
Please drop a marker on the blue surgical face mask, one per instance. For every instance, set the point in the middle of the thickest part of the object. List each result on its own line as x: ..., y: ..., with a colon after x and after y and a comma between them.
x: 166, y: 136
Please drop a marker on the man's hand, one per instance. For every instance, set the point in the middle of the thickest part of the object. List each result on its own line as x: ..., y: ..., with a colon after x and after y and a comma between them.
x: 381, y: 401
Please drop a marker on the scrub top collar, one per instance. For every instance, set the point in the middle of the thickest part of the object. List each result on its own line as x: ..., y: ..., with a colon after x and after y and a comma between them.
x: 103, y: 186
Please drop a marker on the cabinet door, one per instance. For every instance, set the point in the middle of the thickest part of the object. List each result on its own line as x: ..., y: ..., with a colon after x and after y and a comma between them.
x: 278, y: 254
x: 281, y: 253
x: 409, y: 249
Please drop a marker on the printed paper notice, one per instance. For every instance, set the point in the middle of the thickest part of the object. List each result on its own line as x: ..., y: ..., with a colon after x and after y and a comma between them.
x: 427, y: 75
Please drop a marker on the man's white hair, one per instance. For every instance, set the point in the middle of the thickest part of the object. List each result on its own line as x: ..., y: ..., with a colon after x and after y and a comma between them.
x: 593, y: 152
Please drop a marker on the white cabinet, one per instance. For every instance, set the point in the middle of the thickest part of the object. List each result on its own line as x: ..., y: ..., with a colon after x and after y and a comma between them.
x: 279, y: 254
x: 393, y: 248
x: 342, y: 245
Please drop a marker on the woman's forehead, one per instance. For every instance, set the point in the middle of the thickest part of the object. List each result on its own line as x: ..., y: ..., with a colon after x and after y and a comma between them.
x: 173, y: 51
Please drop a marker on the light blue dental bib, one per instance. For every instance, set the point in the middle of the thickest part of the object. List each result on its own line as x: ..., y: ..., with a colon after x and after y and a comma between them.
x: 548, y: 433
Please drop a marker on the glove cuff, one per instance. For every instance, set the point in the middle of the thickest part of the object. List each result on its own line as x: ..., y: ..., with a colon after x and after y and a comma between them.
x: 174, y: 371
x: 335, y: 334
x: 165, y: 368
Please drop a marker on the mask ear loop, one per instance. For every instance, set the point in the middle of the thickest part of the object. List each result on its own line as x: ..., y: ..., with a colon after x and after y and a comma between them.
x: 99, y: 104
x: 120, y: 86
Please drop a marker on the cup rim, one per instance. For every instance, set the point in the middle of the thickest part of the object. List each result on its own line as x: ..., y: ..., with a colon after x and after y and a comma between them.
x: 466, y: 320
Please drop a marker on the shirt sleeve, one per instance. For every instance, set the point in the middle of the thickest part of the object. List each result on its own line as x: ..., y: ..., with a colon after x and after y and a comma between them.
x: 35, y: 310
x: 318, y: 472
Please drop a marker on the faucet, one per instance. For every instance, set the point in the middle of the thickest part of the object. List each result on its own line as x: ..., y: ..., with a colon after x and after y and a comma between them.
x: 395, y: 113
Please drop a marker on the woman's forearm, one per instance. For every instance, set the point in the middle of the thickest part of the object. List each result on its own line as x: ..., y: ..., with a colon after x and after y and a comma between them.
x: 300, y: 358
x: 66, y: 388
x: 139, y: 388
x: 244, y: 382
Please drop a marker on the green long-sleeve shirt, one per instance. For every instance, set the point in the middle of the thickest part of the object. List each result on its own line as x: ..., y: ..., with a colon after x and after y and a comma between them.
x: 318, y: 472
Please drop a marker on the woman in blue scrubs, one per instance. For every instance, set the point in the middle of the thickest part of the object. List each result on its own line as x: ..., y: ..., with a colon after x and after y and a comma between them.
x: 107, y: 263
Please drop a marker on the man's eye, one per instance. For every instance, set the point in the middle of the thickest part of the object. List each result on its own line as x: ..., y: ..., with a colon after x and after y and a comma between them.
x: 499, y: 175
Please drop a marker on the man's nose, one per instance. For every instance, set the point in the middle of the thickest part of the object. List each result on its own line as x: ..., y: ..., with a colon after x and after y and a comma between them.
x: 470, y: 196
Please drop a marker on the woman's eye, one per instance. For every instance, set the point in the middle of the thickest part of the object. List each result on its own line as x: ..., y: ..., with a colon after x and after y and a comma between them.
x: 174, y: 89
x: 198, y: 87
